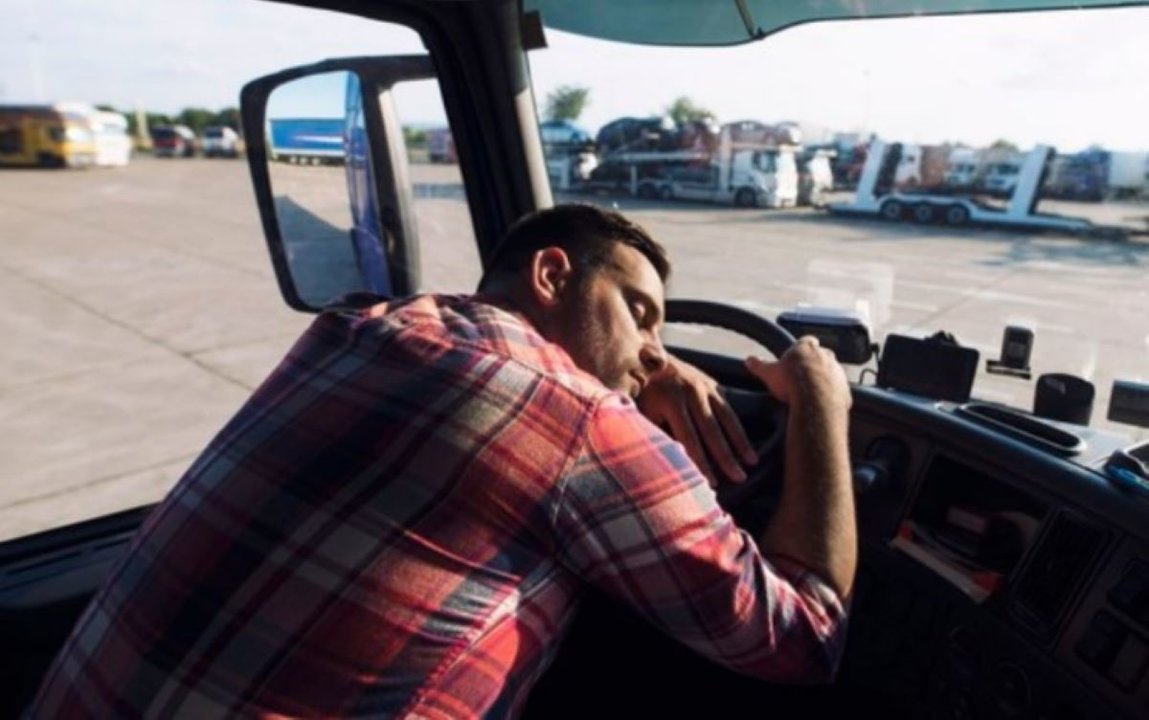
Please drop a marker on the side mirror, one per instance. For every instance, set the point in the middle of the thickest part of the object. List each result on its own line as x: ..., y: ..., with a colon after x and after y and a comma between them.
x: 329, y: 168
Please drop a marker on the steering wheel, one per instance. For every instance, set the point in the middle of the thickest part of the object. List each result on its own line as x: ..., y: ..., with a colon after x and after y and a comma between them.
x: 763, y: 416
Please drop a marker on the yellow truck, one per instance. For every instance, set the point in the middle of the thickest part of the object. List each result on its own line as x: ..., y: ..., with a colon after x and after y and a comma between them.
x: 45, y: 135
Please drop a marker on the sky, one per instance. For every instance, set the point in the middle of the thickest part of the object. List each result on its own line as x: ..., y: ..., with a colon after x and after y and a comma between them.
x: 1071, y: 78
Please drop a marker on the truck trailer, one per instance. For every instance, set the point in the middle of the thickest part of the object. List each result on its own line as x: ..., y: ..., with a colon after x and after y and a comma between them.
x: 878, y: 196
x: 307, y: 141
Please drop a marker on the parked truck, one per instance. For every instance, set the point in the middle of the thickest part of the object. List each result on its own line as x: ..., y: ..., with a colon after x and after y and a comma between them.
x: 1128, y: 174
x: 307, y: 141
x: 46, y: 135
x: 752, y: 165
x: 1096, y: 174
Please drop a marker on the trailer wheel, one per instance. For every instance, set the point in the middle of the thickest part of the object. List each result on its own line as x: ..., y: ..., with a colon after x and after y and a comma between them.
x: 665, y: 192
x: 892, y: 210
x: 745, y: 197
x: 648, y: 191
x: 957, y: 215
x: 923, y: 213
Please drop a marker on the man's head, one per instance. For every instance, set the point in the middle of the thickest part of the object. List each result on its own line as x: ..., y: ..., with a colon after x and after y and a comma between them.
x: 592, y: 282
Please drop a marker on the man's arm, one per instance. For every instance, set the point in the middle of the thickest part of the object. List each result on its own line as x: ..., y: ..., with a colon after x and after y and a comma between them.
x: 634, y: 517
x: 814, y: 521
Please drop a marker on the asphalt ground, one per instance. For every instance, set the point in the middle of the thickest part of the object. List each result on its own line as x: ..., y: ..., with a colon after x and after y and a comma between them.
x: 139, y: 308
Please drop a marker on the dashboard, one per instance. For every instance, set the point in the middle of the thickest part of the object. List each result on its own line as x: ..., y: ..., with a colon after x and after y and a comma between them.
x: 1001, y: 576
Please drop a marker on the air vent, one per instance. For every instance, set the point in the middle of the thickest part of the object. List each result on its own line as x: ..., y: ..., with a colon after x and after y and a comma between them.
x: 1063, y: 558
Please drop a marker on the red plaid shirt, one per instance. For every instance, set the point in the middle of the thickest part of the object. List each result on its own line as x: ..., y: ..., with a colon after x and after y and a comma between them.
x: 401, y: 521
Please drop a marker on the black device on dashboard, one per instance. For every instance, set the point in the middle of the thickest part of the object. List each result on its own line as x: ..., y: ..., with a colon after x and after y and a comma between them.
x: 844, y: 333
x: 936, y: 367
x: 1068, y: 398
x: 1016, y: 347
x: 1129, y: 403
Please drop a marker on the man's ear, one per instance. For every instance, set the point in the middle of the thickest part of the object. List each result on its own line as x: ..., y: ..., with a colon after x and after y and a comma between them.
x: 551, y: 273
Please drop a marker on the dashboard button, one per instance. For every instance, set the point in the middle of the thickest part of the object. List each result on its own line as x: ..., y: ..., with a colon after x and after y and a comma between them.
x: 1129, y: 665
x: 1100, y: 643
x: 1131, y: 594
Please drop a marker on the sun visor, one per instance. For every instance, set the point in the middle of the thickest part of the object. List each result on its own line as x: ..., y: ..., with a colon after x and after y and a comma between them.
x: 731, y: 22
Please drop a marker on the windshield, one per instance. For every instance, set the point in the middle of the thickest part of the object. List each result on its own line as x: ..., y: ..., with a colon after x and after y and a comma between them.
x: 967, y: 133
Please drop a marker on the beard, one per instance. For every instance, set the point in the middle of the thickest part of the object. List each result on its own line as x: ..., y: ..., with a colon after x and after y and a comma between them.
x: 586, y: 333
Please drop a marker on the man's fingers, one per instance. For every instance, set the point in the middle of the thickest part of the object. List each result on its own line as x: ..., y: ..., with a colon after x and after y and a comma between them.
x: 713, y: 437
x: 735, y: 433
x: 682, y: 429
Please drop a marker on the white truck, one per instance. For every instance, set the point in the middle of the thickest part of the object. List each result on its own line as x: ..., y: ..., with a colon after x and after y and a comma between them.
x: 878, y: 196
x: 1128, y: 174
x: 746, y: 173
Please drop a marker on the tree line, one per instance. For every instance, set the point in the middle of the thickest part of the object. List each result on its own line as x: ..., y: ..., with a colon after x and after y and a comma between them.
x: 195, y: 118
x: 567, y: 102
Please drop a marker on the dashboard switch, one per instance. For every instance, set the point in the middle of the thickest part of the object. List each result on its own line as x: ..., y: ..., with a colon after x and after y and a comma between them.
x: 1131, y: 594
x: 1100, y: 643
x: 1129, y: 665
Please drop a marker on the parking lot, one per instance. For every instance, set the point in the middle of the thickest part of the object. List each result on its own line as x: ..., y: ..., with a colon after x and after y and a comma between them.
x: 140, y: 308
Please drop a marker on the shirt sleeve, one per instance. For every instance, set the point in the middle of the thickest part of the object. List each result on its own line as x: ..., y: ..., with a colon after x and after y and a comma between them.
x: 636, y: 518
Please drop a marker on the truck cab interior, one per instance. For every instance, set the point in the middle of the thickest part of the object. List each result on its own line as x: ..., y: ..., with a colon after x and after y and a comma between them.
x: 1004, y: 554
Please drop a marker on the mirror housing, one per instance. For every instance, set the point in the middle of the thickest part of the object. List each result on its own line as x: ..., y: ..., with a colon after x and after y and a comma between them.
x: 382, y: 231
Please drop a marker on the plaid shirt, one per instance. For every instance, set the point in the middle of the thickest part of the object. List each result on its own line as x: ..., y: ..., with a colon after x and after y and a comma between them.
x: 401, y: 521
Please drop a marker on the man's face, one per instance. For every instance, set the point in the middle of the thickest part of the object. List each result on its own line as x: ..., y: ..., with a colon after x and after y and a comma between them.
x: 610, y: 321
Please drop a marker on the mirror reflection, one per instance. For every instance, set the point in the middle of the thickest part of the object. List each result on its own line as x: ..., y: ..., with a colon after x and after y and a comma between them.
x: 320, y: 176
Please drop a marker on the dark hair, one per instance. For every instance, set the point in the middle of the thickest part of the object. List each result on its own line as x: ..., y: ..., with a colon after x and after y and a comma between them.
x: 587, y: 233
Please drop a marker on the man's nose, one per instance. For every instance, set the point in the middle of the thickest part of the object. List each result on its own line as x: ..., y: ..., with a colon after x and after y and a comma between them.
x: 653, y: 356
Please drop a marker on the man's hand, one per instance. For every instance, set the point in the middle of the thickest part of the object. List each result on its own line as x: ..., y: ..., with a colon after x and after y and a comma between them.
x: 685, y: 401
x: 806, y: 373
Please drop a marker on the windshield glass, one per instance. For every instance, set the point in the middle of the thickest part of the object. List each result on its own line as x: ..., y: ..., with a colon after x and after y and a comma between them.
x: 1018, y: 118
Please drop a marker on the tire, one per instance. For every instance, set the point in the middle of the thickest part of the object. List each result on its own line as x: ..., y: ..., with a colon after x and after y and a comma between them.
x: 923, y: 213
x: 665, y: 193
x: 892, y: 210
x: 956, y: 215
x: 647, y: 191
x: 746, y: 198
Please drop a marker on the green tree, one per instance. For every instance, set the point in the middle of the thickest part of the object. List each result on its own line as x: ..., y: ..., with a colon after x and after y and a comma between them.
x: 1003, y: 145
x: 684, y: 110
x: 155, y: 119
x: 414, y: 137
x: 228, y: 117
x: 195, y: 118
x: 566, y: 102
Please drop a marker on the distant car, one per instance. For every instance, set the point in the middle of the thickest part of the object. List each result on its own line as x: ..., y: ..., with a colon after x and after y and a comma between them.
x: 563, y: 132
x: 220, y: 141
x: 631, y: 134
x: 173, y: 141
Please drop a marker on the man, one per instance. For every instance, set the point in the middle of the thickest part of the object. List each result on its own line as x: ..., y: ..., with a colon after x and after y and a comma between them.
x: 402, y: 519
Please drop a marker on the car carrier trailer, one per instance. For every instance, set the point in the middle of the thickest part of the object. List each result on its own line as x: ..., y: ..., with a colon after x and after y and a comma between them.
x: 876, y: 197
